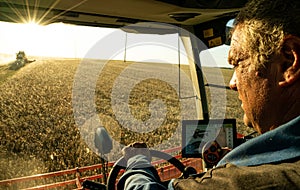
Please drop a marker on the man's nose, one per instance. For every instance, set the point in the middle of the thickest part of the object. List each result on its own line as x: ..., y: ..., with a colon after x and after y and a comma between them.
x: 233, y: 81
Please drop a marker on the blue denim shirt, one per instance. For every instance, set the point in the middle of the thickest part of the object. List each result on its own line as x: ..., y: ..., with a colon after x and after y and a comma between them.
x: 279, y: 145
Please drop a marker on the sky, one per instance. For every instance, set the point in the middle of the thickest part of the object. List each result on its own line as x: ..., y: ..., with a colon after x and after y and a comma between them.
x: 65, y: 40
x: 70, y: 41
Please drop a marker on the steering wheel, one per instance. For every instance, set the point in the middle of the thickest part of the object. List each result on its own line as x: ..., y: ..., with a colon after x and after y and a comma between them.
x: 121, y: 163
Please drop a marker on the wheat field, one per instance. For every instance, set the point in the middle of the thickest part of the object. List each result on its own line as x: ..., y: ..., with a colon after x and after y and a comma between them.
x: 37, y: 127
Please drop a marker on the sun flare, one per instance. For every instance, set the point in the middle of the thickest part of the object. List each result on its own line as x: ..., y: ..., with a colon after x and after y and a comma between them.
x: 36, y: 11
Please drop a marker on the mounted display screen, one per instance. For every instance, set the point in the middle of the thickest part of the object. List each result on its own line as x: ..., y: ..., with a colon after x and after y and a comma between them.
x: 196, y: 133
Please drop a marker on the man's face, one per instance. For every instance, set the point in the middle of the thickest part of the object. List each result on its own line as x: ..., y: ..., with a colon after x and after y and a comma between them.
x: 257, y: 89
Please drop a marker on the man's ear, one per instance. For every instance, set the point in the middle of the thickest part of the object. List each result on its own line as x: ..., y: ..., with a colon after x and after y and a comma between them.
x: 291, y: 64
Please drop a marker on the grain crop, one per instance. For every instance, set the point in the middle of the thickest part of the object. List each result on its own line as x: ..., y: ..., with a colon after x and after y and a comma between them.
x: 38, y: 131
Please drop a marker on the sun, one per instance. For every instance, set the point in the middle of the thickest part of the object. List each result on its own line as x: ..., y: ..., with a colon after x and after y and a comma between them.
x: 32, y: 24
x: 36, y: 11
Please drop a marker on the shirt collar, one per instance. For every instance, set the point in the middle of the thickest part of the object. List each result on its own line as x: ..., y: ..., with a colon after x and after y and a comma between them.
x: 278, y: 145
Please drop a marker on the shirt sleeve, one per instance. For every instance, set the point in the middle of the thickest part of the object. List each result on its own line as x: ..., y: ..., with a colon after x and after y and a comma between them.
x: 231, y: 177
x: 140, y: 175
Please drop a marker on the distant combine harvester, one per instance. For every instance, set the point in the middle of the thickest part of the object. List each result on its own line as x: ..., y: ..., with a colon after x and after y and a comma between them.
x: 21, y: 61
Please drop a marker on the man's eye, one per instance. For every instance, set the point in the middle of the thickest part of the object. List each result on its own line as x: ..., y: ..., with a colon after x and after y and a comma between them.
x: 234, y: 62
x: 237, y: 60
x: 237, y: 63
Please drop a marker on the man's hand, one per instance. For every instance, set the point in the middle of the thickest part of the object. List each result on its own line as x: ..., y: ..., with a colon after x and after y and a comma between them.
x: 135, y: 149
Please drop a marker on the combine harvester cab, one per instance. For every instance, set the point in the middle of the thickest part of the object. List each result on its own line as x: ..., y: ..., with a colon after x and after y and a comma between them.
x: 197, y: 27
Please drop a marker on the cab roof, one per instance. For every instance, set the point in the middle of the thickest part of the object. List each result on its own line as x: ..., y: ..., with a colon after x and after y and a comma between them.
x: 117, y: 13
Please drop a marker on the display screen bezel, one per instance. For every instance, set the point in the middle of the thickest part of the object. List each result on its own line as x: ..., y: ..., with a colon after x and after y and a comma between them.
x: 221, y: 130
